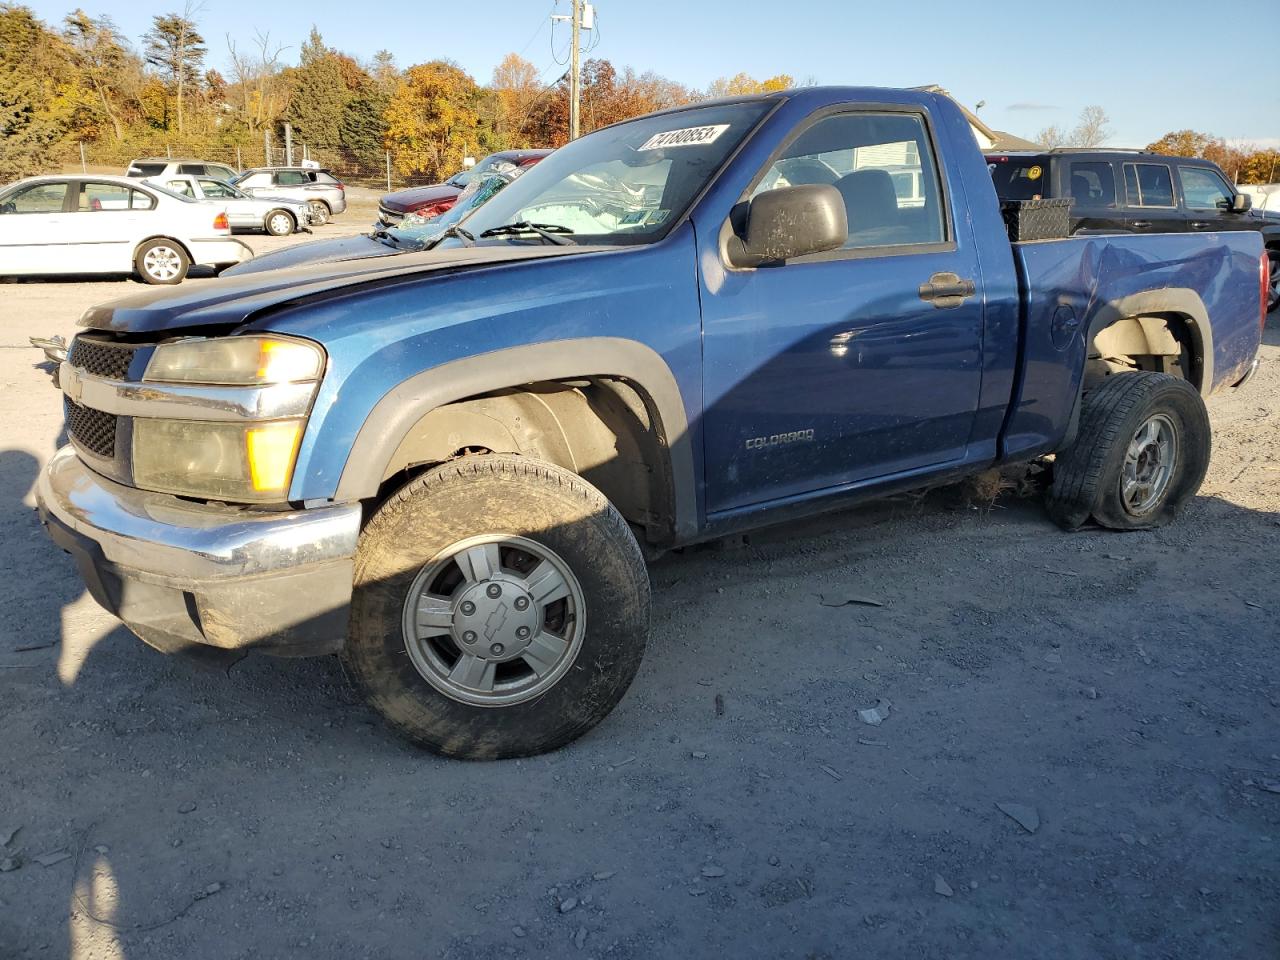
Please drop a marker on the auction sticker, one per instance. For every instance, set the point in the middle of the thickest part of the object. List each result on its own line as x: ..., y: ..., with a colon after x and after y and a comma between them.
x: 687, y: 137
x: 1034, y: 173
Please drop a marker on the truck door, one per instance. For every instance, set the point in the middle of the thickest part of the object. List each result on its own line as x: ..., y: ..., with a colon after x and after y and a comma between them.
x: 1152, y: 205
x: 854, y: 364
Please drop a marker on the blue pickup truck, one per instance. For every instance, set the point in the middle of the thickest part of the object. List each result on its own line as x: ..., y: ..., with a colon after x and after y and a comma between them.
x: 451, y: 467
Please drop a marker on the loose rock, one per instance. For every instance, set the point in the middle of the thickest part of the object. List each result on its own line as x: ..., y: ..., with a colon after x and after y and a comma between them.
x: 9, y: 864
x: 187, y: 807
x: 1026, y: 816
x: 711, y: 870
x: 568, y: 904
x: 875, y: 715
x: 941, y: 887
x: 49, y: 859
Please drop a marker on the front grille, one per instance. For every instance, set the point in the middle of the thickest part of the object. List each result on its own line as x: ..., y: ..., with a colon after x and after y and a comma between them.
x: 389, y: 218
x: 90, y: 429
x: 101, y: 358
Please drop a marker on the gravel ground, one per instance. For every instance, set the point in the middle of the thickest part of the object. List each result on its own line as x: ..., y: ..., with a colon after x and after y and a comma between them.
x: 1121, y: 689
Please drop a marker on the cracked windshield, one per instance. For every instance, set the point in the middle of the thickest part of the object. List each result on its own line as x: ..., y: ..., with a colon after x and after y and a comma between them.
x: 624, y: 184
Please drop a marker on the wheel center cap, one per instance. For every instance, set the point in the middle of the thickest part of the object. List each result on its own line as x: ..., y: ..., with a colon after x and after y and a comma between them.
x: 495, y: 619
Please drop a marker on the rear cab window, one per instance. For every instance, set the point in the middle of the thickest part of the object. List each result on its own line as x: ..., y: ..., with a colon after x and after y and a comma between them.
x: 1148, y: 185
x: 1019, y: 178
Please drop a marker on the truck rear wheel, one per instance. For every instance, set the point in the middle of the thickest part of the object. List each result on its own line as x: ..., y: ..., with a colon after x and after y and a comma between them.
x: 1141, y: 452
x: 501, y: 607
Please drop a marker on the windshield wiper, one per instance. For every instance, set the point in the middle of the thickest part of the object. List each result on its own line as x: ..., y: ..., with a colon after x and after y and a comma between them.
x: 551, y: 232
x: 462, y: 233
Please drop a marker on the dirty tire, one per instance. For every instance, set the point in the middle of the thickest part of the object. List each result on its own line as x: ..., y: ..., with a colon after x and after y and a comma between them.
x: 508, y: 496
x: 278, y: 223
x: 162, y: 262
x: 1087, y: 476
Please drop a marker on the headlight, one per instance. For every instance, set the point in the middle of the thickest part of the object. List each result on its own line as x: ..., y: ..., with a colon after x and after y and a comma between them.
x: 236, y: 360
x: 241, y: 462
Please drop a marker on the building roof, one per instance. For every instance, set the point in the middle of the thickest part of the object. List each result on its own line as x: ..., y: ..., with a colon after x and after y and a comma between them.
x: 1007, y: 141
x: 1000, y: 139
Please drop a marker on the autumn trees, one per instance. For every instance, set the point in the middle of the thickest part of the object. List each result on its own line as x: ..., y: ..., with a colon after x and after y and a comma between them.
x: 82, y: 82
x: 1243, y: 163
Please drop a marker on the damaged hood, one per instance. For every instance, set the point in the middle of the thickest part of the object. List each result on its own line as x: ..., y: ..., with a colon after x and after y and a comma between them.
x: 230, y: 301
x: 317, y: 251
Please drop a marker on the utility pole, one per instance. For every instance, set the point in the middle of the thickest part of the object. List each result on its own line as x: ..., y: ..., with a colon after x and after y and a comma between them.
x: 582, y: 18
x: 575, y: 69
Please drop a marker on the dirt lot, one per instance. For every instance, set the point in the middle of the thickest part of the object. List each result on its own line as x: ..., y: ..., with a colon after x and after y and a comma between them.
x: 1122, y: 688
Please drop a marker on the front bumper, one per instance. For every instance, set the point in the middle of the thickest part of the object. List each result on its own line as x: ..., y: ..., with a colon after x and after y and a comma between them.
x: 182, y: 574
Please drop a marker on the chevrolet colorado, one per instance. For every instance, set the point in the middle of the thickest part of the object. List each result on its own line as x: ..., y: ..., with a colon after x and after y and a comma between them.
x: 450, y: 467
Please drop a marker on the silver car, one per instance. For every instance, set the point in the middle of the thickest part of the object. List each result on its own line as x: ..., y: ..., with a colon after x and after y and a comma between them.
x: 319, y: 189
x: 278, y: 216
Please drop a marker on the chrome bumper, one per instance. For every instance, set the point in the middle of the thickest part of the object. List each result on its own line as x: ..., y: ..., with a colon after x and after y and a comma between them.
x: 182, y: 574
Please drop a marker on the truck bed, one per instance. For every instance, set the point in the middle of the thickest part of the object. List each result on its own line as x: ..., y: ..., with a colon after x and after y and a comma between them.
x: 1072, y: 288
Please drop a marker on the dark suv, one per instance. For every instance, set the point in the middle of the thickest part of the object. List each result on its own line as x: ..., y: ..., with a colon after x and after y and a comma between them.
x: 1134, y: 191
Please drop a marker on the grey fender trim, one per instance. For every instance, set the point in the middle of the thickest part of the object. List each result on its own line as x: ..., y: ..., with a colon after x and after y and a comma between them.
x: 407, y: 403
x: 1178, y: 300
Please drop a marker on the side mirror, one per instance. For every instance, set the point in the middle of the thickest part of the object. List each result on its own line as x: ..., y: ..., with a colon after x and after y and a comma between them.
x: 790, y: 222
x: 1241, y: 203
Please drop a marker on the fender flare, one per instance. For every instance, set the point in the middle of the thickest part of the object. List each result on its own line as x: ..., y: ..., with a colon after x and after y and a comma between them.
x: 409, y: 401
x: 1179, y: 300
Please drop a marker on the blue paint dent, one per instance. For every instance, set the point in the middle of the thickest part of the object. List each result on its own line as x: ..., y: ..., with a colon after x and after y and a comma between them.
x: 1087, y: 273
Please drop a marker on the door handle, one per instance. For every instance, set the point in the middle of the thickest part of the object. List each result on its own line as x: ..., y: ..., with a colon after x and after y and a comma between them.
x: 947, y: 290
x: 1140, y: 224
x: 1199, y: 225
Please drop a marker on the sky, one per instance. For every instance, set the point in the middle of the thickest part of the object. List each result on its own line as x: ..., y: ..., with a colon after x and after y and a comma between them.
x: 1153, y: 67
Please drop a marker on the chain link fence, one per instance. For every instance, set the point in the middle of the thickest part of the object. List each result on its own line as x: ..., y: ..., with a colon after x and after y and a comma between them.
x: 113, y: 158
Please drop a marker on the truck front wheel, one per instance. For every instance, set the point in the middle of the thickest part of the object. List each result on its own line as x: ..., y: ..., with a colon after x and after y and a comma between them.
x: 501, y: 607
x: 1141, y: 452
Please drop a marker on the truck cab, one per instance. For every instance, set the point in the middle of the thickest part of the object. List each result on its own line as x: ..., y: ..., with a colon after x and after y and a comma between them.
x: 451, y: 467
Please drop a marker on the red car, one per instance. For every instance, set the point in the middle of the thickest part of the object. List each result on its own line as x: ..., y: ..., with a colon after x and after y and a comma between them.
x: 436, y: 199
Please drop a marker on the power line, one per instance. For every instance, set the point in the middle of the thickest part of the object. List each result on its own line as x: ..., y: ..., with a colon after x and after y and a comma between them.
x: 541, y: 23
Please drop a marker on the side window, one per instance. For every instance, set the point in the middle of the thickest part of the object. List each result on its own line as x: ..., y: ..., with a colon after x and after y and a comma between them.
x: 1148, y: 185
x: 290, y: 178
x: 141, y: 201
x: 883, y: 166
x: 214, y: 189
x: 1203, y: 189
x: 191, y: 169
x: 219, y: 172
x: 181, y: 186
x: 41, y: 198
x: 99, y: 197
x: 1093, y: 183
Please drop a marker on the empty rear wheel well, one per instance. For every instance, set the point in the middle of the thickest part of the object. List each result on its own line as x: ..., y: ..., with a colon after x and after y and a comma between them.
x: 1163, y: 343
x: 604, y: 429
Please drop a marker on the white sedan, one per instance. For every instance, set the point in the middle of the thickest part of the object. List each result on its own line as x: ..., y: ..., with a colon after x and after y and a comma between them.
x: 278, y: 216
x: 91, y: 224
